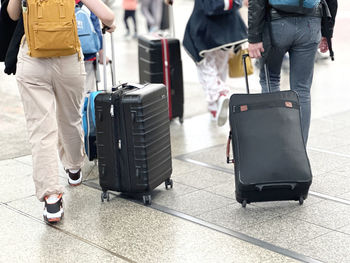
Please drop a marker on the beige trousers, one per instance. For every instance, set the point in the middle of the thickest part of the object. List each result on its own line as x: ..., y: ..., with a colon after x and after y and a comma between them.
x: 51, y: 90
x: 90, y: 81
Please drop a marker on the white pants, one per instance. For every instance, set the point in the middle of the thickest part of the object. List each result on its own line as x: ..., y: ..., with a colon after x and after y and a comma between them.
x: 212, y: 74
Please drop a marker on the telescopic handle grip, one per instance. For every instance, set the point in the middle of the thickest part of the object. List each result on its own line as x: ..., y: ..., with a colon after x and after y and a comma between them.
x: 244, y: 57
x: 104, y: 30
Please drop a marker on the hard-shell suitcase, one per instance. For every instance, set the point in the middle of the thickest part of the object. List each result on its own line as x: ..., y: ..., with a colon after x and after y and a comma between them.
x: 270, y: 159
x: 133, y: 139
x: 160, y: 62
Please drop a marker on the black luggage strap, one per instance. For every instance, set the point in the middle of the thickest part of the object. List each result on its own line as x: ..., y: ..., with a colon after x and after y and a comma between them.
x: 266, y: 105
x: 228, y: 146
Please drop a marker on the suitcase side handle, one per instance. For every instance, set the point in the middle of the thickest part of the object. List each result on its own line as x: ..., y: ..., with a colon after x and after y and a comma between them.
x: 290, y: 186
x: 228, y: 146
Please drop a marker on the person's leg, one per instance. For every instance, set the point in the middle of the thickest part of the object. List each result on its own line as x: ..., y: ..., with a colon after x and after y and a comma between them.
x: 133, y: 16
x: 302, y: 57
x: 90, y: 81
x: 145, y: 9
x: 126, y: 15
x: 207, y: 75
x: 216, y: 91
x: 221, y: 62
x: 157, y: 12
x: 222, y: 65
x: 69, y: 87
x: 282, y: 36
x: 34, y: 82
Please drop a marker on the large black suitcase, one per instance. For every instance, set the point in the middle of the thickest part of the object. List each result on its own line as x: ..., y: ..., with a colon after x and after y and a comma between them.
x: 159, y: 61
x: 133, y: 139
x: 270, y: 159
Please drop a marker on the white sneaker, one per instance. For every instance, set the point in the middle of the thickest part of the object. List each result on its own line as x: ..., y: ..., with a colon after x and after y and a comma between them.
x: 221, y: 115
x: 53, y: 209
x: 74, y: 178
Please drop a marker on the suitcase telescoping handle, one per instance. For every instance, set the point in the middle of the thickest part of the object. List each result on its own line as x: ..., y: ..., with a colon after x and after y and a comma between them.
x: 171, y: 19
x: 267, y: 75
x: 104, y: 30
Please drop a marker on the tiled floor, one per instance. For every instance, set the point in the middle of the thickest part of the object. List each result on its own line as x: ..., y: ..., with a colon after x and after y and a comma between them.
x: 199, y: 219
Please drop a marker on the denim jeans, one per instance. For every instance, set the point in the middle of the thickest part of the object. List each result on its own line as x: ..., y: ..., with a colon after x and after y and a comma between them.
x: 299, y: 36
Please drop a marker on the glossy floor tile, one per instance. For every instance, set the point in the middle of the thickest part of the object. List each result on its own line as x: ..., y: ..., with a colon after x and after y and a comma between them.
x: 198, y: 220
x: 155, y: 236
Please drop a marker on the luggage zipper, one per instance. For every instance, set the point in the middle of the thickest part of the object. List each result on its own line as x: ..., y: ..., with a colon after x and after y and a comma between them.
x: 112, y: 111
x: 112, y: 115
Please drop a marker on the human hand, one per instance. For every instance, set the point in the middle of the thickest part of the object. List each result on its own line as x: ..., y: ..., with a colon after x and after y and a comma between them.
x: 109, y: 29
x: 100, y: 57
x: 255, y: 49
x: 323, y: 46
x: 168, y: 2
x: 245, y: 2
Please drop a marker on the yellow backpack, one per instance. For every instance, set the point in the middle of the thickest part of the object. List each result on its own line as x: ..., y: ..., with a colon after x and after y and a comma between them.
x: 50, y: 28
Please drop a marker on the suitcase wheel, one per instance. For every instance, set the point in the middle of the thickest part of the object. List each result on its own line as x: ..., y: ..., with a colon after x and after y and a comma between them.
x: 104, y: 195
x: 244, y: 203
x: 301, y: 200
x: 168, y: 182
x: 147, y: 199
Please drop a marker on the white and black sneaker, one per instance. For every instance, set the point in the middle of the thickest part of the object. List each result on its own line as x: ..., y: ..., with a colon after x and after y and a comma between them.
x: 74, y: 177
x: 222, y: 112
x: 53, y: 209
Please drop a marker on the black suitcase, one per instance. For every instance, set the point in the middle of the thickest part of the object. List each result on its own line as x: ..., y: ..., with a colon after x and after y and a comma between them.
x: 270, y: 159
x: 159, y: 61
x: 132, y: 138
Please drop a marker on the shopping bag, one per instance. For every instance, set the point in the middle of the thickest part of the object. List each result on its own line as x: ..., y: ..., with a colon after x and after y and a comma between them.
x: 235, y: 64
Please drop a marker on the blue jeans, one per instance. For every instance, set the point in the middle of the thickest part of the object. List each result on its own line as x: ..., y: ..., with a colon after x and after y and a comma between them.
x: 299, y: 36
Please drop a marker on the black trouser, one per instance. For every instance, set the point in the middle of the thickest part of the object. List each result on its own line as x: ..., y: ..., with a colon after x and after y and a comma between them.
x: 127, y: 14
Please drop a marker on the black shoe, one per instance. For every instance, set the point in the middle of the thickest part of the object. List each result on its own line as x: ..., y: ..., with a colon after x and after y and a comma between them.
x: 53, y: 209
x: 74, y: 179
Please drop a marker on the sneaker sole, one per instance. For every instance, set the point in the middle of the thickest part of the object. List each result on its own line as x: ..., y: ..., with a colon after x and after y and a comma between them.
x: 222, y: 113
x: 54, y: 219
x: 74, y: 184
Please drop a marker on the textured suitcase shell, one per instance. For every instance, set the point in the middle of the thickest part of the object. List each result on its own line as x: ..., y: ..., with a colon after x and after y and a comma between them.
x: 133, y: 139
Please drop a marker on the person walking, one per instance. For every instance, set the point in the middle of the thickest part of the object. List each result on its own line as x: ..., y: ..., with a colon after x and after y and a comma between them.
x: 50, y: 78
x: 153, y: 11
x: 273, y: 31
x: 129, y: 7
x: 211, y: 32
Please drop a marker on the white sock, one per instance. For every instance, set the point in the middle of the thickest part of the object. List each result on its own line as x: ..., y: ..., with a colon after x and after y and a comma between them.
x: 74, y: 171
x: 52, y: 199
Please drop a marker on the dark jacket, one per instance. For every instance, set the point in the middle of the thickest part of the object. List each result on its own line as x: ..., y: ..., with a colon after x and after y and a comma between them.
x: 206, y: 33
x: 11, y: 34
x: 7, y: 27
x: 257, y: 15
